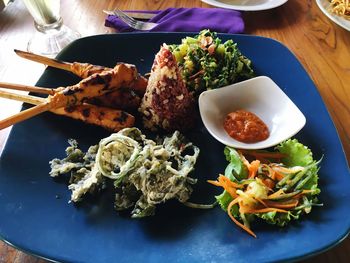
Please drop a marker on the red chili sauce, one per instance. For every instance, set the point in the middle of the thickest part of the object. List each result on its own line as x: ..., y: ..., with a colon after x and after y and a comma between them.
x: 245, y: 126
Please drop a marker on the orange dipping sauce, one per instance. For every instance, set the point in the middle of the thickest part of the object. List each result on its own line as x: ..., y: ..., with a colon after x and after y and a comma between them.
x: 245, y: 126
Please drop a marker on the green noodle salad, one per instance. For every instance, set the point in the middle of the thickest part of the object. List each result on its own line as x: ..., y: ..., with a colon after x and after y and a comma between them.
x: 144, y: 172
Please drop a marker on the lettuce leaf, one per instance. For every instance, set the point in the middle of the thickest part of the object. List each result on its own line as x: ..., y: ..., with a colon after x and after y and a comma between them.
x: 280, y: 219
x: 298, y: 154
x: 224, y: 200
x: 235, y: 170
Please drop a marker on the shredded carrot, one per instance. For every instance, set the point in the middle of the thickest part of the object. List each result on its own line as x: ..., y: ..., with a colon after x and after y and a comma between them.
x: 224, y: 180
x: 285, y: 170
x: 233, y: 202
x: 253, y: 168
x: 244, y: 160
x: 244, y: 208
x: 278, y: 176
x: 285, y: 205
x: 302, y: 193
x: 231, y: 191
x: 271, y: 155
x: 276, y: 194
x: 268, y: 183
x: 229, y: 182
x: 228, y: 188
x: 280, y: 171
x: 216, y: 183
x: 261, y: 201
x: 265, y: 210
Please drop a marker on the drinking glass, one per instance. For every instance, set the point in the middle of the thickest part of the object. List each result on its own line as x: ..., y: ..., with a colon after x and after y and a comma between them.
x: 51, y: 34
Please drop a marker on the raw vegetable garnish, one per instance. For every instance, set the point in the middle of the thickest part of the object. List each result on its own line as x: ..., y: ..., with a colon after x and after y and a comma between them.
x: 207, y: 63
x: 275, y: 186
x: 144, y: 172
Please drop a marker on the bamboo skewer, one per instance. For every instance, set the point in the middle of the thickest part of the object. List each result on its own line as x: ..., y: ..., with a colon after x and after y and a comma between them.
x: 44, y: 60
x: 27, y: 88
x: 20, y: 97
x: 119, y: 99
x: 24, y: 115
x: 42, y: 105
x: 82, y: 70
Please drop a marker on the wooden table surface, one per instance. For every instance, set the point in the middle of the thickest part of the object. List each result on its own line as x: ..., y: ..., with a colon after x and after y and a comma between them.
x: 321, y: 46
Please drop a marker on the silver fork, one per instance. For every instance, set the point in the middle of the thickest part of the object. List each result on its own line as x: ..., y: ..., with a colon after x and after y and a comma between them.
x: 133, y: 23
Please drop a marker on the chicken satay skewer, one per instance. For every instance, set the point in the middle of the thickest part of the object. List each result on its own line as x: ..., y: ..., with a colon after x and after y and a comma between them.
x: 110, y: 119
x: 96, y: 85
x: 119, y: 99
x: 82, y: 70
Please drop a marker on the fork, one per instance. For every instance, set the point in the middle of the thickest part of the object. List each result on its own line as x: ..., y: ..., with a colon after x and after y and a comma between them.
x: 133, y: 23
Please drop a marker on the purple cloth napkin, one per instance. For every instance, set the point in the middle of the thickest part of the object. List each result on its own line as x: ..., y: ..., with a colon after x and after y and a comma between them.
x: 189, y: 20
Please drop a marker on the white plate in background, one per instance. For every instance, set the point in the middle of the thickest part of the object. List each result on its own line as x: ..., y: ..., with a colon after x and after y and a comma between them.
x: 246, y: 5
x: 324, y: 5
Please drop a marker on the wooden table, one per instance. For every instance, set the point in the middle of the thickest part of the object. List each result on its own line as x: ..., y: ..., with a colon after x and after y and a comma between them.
x: 320, y: 45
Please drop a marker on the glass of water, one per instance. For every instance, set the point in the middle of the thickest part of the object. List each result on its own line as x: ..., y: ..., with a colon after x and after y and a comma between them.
x: 51, y: 34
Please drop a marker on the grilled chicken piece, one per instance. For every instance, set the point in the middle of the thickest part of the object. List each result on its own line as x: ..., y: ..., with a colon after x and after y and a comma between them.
x: 127, y: 98
x: 124, y: 99
x: 96, y: 85
x: 85, y: 70
x: 110, y: 119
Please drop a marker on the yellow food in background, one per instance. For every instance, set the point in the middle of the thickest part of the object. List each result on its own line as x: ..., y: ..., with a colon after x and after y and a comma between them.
x: 340, y: 7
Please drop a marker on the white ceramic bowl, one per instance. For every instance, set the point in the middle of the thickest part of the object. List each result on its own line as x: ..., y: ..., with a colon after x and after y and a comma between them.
x: 260, y: 96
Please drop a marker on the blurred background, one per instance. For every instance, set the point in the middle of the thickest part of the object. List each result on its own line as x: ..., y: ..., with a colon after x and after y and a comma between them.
x: 4, y: 3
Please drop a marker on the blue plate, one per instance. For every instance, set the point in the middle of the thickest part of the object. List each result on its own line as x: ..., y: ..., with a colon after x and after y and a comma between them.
x: 36, y: 217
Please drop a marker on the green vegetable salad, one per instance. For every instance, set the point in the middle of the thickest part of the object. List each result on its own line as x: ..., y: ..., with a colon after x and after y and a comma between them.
x: 207, y: 63
x: 276, y: 187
